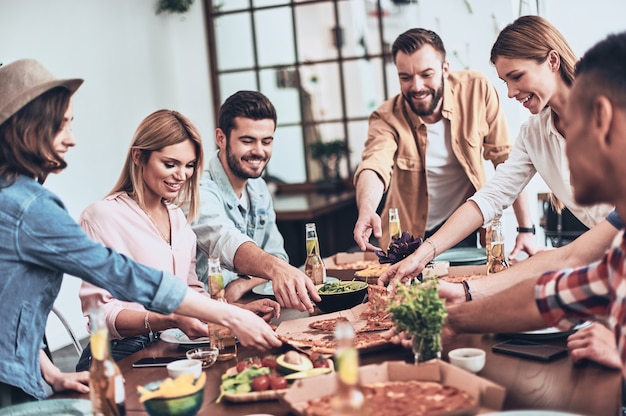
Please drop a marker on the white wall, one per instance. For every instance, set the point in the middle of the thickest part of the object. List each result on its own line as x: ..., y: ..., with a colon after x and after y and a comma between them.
x: 135, y: 62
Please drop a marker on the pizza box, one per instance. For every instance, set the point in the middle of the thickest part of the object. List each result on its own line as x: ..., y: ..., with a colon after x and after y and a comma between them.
x: 490, y: 396
x: 343, y: 265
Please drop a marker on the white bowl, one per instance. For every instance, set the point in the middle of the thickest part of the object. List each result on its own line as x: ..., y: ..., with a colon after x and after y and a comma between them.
x: 180, y: 367
x: 469, y: 359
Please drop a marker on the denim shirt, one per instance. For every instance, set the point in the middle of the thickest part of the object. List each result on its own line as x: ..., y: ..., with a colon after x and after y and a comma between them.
x: 223, y: 224
x: 39, y: 242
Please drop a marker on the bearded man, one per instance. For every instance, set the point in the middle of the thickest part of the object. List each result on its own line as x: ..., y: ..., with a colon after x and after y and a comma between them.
x: 237, y: 221
x: 424, y: 146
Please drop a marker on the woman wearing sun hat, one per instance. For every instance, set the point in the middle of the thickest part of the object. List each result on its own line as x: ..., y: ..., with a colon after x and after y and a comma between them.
x: 41, y: 242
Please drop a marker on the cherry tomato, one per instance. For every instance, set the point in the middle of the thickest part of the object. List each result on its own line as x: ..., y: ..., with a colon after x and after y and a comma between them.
x: 243, y: 365
x: 277, y: 382
x: 319, y: 360
x: 255, y: 361
x: 269, y: 361
x: 260, y: 383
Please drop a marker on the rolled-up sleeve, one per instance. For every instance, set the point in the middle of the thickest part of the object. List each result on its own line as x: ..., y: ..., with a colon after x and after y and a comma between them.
x: 380, y: 148
x: 78, y: 255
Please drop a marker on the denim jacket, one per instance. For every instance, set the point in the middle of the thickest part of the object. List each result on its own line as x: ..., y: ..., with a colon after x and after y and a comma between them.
x: 223, y: 224
x: 39, y: 242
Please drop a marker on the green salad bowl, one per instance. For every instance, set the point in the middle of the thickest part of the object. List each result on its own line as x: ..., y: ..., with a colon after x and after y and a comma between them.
x: 337, y: 296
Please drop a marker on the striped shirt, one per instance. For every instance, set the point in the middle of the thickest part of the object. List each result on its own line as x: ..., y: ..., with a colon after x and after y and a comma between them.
x: 567, y: 297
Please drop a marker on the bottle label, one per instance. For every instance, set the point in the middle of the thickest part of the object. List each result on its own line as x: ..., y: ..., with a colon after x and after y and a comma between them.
x: 216, y: 285
x: 348, y: 366
x: 120, y: 394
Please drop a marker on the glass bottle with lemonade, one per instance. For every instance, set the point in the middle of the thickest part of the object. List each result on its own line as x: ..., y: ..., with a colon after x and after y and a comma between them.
x: 395, y: 230
x: 220, y: 336
x: 314, y: 265
x: 496, y: 256
x: 106, y: 383
x: 348, y: 399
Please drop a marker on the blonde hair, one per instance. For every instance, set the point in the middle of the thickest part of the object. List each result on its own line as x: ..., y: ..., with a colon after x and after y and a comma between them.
x: 161, y: 129
x: 533, y: 37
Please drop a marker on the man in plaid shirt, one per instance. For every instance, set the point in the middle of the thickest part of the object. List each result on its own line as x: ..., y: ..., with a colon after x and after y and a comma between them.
x: 595, y: 127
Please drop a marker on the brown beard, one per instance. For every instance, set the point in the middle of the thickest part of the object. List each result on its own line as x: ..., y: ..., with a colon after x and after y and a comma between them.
x: 437, y: 96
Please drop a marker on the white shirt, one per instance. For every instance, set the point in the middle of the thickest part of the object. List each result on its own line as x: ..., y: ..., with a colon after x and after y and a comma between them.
x: 538, y: 148
x: 448, y: 185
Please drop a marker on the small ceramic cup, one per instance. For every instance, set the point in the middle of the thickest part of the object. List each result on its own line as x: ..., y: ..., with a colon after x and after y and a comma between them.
x: 469, y: 359
x: 180, y: 367
x: 207, y: 355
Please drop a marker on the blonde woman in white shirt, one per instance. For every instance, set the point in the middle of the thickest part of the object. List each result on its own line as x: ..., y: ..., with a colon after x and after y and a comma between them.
x: 537, y: 64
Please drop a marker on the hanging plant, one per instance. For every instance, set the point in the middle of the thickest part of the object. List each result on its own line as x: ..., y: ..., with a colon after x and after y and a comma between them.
x: 173, y: 6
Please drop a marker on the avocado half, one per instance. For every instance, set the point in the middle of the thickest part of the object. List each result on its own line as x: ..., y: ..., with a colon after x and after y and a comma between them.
x: 288, y: 368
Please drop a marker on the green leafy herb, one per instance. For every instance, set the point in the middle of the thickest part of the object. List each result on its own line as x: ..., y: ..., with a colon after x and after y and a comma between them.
x: 418, y: 310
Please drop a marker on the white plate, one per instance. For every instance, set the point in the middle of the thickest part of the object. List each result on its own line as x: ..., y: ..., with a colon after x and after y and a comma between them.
x: 52, y: 407
x: 463, y: 256
x: 176, y: 336
x: 532, y: 413
x: 548, y: 333
x: 266, y: 289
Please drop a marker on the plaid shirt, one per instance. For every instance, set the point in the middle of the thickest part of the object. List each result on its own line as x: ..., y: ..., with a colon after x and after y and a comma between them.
x: 567, y: 297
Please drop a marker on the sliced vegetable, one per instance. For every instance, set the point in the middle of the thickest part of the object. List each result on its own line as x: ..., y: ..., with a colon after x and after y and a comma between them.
x: 287, y: 363
x: 308, y: 373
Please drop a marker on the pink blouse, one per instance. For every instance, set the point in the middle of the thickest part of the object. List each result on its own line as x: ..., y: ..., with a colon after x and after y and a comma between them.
x: 119, y: 223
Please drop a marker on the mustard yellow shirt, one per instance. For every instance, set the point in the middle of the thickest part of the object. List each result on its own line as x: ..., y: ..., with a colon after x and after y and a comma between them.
x: 396, y: 145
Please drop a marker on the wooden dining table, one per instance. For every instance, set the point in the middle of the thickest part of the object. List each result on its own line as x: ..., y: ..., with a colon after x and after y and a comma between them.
x: 585, y: 389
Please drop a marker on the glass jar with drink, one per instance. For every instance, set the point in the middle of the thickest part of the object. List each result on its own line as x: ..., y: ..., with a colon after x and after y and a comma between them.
x: 220, y: 336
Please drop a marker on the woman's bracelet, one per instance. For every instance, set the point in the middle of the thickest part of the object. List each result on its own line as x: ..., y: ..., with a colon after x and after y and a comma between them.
x: 146, y: 324
x: 429, y: 241
x: 468, y: 293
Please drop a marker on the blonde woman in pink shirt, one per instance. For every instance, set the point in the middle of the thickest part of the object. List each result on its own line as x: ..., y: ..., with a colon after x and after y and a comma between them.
x: 142, y: 218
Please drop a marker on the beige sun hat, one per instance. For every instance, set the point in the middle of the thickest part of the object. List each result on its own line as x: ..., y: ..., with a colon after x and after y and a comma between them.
x: 24, y: 80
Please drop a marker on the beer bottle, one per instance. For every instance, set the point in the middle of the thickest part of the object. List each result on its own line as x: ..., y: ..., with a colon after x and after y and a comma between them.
x: 496, y: 256
x: 219, y: 335
x: 106, y: 384
x: 348, y: 399
x: 313, y: 266
x: 394, y: 224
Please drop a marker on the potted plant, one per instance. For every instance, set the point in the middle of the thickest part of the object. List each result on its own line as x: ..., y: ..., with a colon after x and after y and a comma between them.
x: 329, y: 155
x: 173, y: 6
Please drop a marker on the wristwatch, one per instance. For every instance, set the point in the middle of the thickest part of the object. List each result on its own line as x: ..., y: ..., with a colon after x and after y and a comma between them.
x: 526, y: 230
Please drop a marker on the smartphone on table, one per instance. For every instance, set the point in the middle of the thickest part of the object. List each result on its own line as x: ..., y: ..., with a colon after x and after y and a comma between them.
x: 529, y: 349
x: 155, y: 361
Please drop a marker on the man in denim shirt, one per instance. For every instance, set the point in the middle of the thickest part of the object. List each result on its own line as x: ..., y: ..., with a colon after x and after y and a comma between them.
x: 237, y: 222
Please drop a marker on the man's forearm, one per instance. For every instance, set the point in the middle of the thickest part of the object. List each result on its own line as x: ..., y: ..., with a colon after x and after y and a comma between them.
x: 369, y: 191
x: 250, y: 259
x: 515, y: 306
x: 586, y: 249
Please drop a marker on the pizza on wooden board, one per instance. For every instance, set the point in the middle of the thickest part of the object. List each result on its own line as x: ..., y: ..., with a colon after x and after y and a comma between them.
x: 368, y: 320
x: 400, y: 398
x: 326, y: 344
x: 328, y: 325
